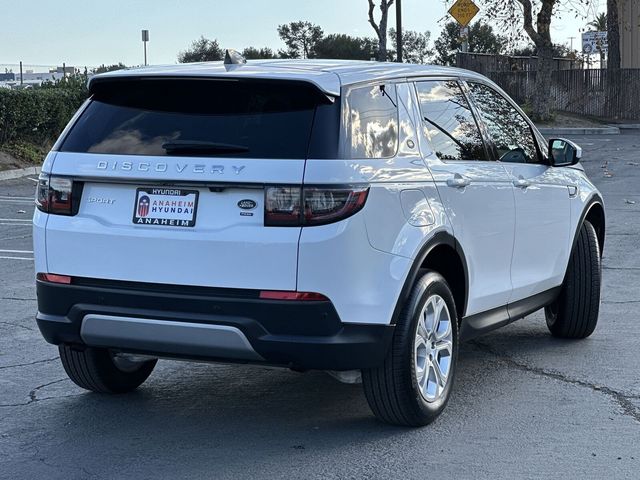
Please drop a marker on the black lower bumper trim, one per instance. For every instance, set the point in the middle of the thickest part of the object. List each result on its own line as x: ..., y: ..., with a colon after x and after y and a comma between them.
x: 298, y: 334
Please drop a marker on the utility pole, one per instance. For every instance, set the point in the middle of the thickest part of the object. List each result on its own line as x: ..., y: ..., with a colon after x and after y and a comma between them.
x: 20, y: 72
x: 399, y: 30
x: 571, y: 39
x: 145, y: 39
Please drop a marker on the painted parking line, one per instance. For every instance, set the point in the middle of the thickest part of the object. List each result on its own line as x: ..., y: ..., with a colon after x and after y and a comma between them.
x: 16, y: 224
x: 16, y: 251
x: 17, y: 258
x: 11, y: 197
x: 17, y: 202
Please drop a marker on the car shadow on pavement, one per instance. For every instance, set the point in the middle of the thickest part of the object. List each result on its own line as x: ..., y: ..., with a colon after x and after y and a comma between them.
x: 192, y: 417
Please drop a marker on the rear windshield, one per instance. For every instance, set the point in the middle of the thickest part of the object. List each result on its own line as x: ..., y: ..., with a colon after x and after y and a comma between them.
x: 231, y: 118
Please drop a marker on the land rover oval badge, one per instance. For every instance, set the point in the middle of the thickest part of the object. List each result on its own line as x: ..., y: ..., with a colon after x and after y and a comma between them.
x: 247, y: 204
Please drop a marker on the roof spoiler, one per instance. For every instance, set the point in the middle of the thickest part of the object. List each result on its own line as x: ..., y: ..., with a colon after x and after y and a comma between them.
x: 110, y: 86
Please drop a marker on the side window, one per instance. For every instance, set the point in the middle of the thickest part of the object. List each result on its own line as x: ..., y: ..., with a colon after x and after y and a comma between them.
x: 508, y: 129
x: 370, y: 122
x: 448, y: 122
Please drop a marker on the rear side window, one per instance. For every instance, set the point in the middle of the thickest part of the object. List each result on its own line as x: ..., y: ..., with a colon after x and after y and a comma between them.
x: 255, y: 119
x: 508, y: 129
x: 370, y: 122
x: 448, y: 122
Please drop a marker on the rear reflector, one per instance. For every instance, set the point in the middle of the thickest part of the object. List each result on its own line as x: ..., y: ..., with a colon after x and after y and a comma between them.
x: 53, y: 278
x: 288, y: 295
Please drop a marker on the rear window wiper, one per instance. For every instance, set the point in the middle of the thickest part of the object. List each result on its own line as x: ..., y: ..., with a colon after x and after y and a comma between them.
x: 186, y: 147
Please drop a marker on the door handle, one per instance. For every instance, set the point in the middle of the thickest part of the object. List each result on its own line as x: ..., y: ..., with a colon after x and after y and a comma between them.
x: 458, y: 181
x: 521, y: 182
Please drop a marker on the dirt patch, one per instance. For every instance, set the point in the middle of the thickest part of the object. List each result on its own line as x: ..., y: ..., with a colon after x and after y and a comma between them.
x: 564, y: 120
x: 22, y: 154
x: 9, y: 162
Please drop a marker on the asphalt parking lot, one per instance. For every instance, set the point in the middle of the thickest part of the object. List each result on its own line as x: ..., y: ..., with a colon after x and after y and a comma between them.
x: 525, y: 405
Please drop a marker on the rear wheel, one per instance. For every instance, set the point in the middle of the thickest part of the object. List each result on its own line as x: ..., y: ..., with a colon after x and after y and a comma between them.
x: 413, y: 385
x: 575, y: 313
x: 99, y: 370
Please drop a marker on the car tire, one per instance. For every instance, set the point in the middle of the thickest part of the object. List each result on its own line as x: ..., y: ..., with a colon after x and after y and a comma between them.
x: 574, y: 314
x: 405, y: 389
x: 98, y: 370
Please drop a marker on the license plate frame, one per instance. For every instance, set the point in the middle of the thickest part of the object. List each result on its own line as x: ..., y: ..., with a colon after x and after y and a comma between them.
x: 172, y: 213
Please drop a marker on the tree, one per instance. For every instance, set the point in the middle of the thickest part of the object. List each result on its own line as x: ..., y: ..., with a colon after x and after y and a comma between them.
x: 599, y: 23
x: 613, y: 36
x: 482, y: 39
x: 511, y: 13
x: 415, y: 45
x: 300, y: 39
x: 339, y: 45
x: 201, y: 50
x: 381, y: 26
x: 109, y: 68
x: 559, y: 51
x: 253, y: 53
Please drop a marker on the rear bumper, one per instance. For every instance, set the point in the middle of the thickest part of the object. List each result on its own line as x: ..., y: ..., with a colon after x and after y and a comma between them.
x: 207, y: 324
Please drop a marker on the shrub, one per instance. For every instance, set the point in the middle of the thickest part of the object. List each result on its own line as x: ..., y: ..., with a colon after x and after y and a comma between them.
x: 38, y: 115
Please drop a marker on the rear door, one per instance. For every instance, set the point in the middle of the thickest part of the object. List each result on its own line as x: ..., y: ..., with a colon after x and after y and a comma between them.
x: 476, y: 191
x: 543, y: 226
x: 172, y: 175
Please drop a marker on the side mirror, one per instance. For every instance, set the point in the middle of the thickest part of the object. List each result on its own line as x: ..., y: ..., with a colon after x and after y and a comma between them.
x: 563, y: 152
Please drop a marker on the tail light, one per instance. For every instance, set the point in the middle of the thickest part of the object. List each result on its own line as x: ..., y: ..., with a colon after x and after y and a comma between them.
x: 282, y: 206
x: 295, y: 206
x: 57, y: 195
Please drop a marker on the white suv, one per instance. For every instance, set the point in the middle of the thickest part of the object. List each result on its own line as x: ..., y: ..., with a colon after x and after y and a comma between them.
x: 341, y: 216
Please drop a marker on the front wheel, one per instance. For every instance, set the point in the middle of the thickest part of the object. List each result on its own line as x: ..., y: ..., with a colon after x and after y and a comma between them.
x: 575, y: 313
x: 99, y: 370
x: 413, y: 385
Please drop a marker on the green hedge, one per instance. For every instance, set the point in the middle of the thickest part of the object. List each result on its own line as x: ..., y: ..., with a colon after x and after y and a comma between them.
x: 37, y: 115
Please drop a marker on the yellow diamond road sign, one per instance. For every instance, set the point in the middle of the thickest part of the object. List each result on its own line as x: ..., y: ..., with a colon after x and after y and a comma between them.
x: 464, y: 11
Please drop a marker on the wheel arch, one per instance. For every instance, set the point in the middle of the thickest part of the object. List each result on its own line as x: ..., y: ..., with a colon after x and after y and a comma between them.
x: 594, y: 213
x: 443, y: 254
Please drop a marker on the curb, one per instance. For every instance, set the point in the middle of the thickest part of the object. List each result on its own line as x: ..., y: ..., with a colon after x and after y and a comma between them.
x: 628, y: 126
x: 21, y: 172
x: 579, y: 130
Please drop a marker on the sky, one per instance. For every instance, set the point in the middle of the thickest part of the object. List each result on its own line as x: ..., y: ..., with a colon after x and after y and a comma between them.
x: 90, y: 32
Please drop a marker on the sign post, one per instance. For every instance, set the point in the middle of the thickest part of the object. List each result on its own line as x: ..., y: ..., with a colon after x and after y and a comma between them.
x: 464, y: 36
x: 145, y: 39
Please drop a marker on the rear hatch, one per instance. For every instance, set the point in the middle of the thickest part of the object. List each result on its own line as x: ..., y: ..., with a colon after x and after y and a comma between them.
x: 169, y: 179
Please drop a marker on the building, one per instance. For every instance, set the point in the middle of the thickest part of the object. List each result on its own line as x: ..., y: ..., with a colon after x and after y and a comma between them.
x: 66, y: 70
x: 629, y: 15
